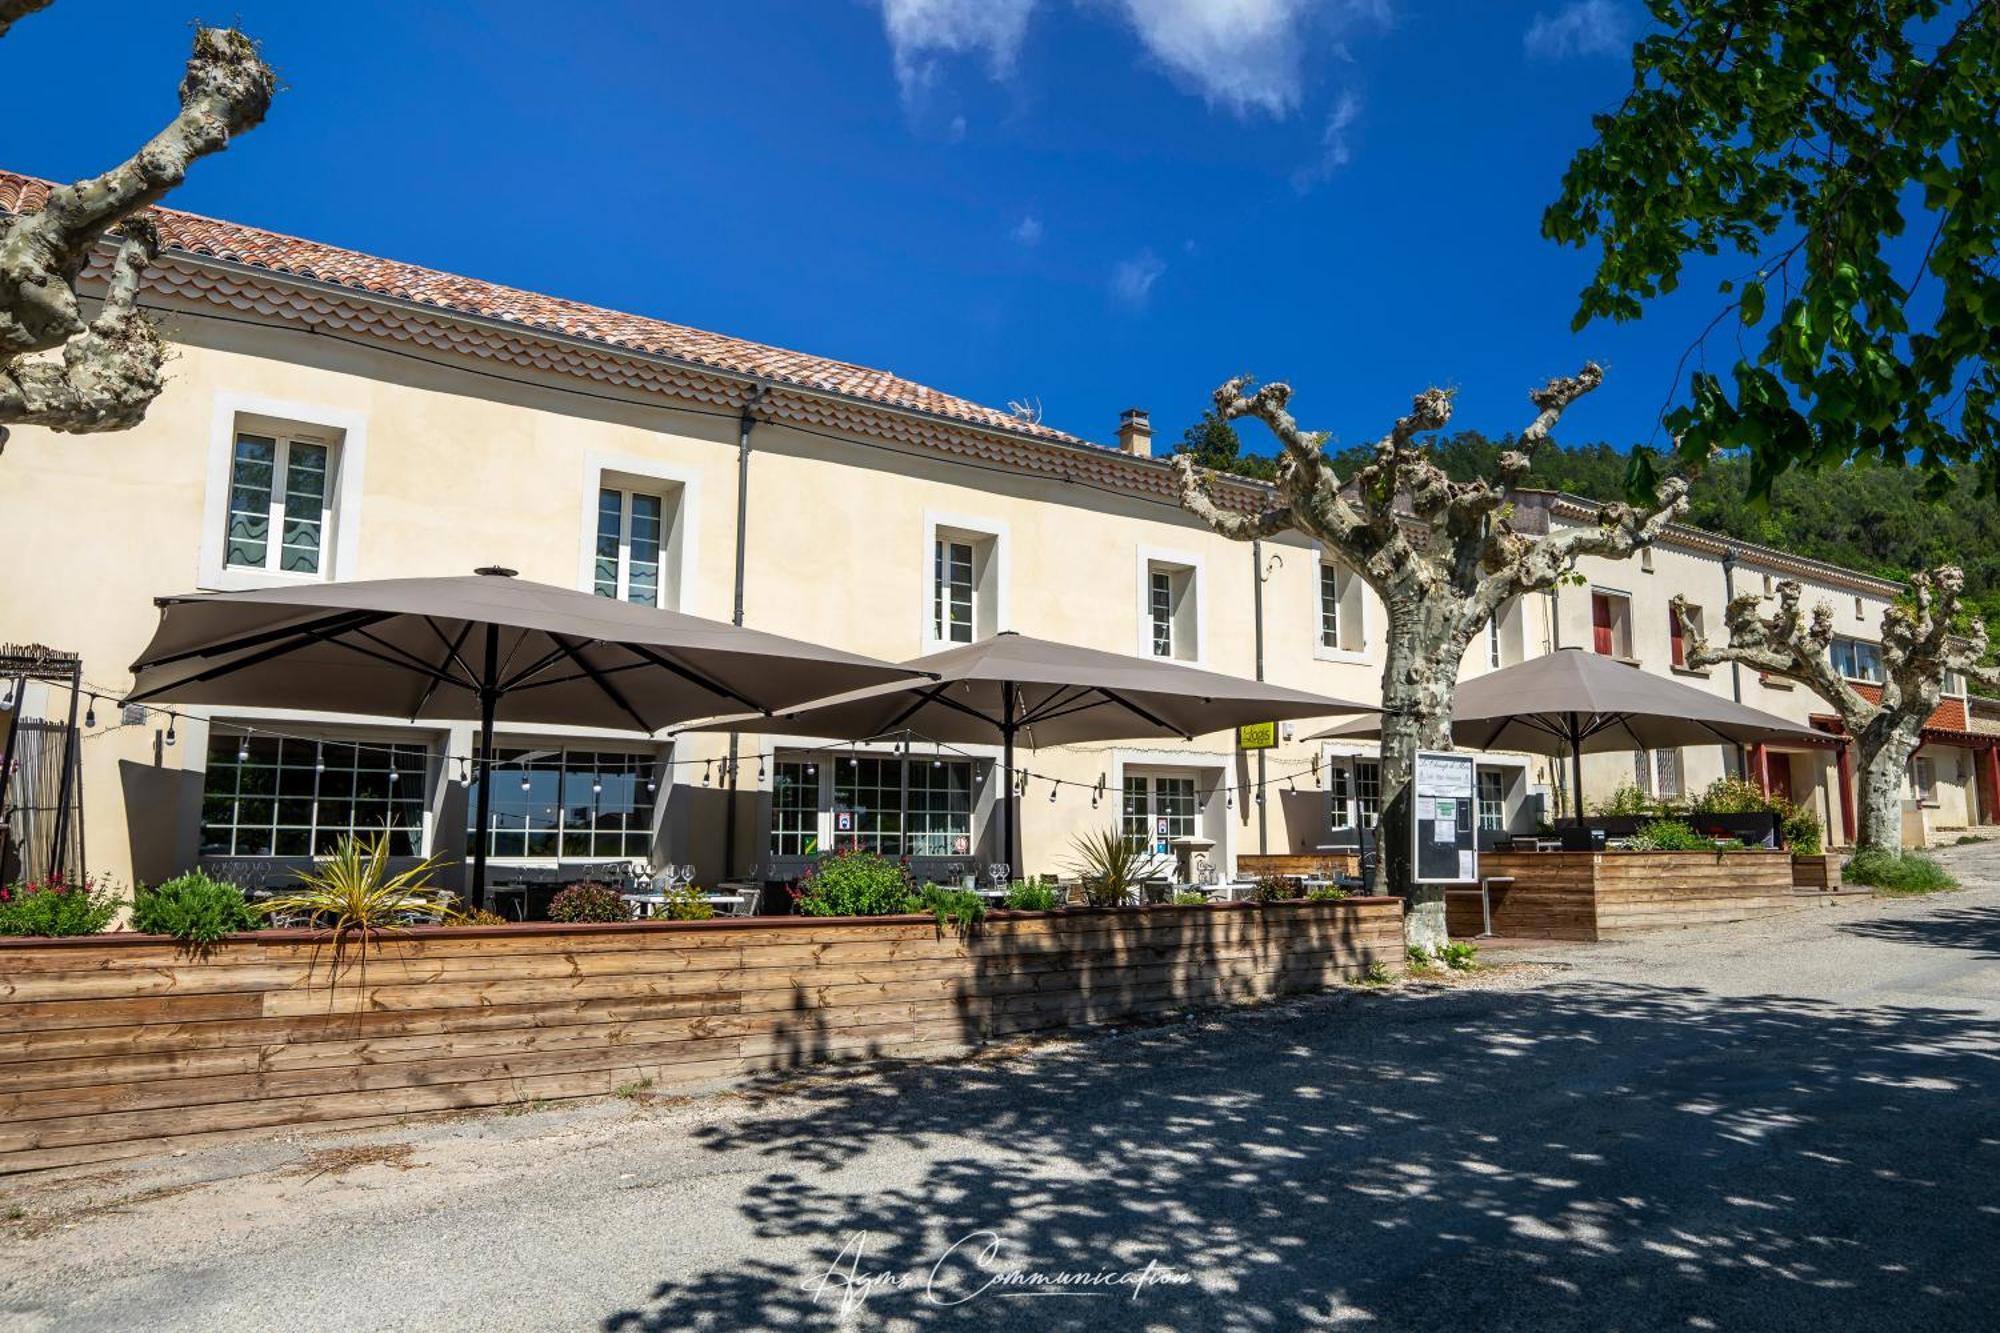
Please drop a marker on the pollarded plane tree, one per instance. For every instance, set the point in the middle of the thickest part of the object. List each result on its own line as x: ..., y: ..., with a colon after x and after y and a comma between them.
x: 1443, y: 555
x: 1925, y: 637
x: 58, y: 369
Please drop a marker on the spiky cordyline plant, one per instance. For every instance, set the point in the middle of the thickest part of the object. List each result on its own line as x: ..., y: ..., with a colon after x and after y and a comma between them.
x: 1109, y: 866
x: 353, y: 896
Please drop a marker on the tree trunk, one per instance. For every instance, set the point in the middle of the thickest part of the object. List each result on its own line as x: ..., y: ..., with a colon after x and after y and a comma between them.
x: 1882, y: 758
x: 1417, y: 687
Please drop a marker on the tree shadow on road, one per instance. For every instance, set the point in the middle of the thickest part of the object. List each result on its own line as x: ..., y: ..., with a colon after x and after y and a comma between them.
x: 1588, y: 1155
x: 1974, y: 928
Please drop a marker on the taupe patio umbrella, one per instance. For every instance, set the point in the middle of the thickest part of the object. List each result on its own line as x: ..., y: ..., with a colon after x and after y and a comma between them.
x: 1055, y: 694
x: 489, y: 647
x: 1572, y: 702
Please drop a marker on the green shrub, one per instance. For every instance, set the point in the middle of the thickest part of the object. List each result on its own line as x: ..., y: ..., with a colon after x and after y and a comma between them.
x: 1270, y: 889
x: 1190, y: 898
x: 1968, y: 839
x: 1031, y: 896
x: 1886, y: 872
x: 685, y: 902
x: 1669, y: 835
x: 1327, y: 893
x: 589, y: 901
x: 855, y: 883
x: 195, y: 909
x: 1376, y: 974
x: 1627, y: 800
x: 1800, y: 828
x: 1420, y: 958
x: 961, y: 909
x: 1459, y: 955
x: 58, y: 906
x: 1733, y: 796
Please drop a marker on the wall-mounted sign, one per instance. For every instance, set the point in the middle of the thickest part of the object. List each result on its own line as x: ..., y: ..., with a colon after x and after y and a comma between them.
x: 1446, y: 849
x: 843, y: 821
x: 1257, y: 736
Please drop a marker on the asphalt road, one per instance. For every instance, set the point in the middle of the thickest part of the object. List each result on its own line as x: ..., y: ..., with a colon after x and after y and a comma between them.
x: 1791, y: 1126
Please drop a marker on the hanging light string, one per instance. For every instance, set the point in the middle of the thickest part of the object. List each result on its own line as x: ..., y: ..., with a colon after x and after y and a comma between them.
x: 720, y: 770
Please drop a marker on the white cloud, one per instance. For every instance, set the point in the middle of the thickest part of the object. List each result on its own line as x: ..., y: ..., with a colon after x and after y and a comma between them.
x: 1028, y: 231
x: 1244, y: 55
x: 1579, y: 28
x: 924, y: 33
x: 1132, y: 279
x: 1335, y: 151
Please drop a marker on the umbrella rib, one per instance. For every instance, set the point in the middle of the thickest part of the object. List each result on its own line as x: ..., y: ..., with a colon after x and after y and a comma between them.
x: 450, y: 655
x: 1056, y: 704
x: 597, y: 678
x: 688, y: 673
x: 1123, y: 702
x: 923, y: 697
x: 540, y: 664
x: 401, y: 654
x: 336, y: 623
x: 966, y: 709
x: 1079, y: 706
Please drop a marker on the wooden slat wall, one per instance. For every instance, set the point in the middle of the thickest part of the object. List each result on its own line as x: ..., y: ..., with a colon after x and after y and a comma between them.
x: 113, y: 1047
x: 1589, y: 895
x: 1254, y: 863
x: 1819, y: 871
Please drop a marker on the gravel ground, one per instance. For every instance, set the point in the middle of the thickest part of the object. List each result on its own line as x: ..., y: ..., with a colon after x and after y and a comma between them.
x: 1786, y: 1125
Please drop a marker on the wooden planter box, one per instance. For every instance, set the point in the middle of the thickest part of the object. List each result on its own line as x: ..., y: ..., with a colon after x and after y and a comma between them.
x: 1592, y: 895
x: 122, y: 1045
x: 1818, y: 871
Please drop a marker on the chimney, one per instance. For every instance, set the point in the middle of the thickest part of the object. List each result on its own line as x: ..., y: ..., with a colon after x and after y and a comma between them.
x: 1135, y: 433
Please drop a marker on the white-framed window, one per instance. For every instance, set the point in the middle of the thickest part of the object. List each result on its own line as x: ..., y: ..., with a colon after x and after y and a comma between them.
x: 1493, y: 643
x: 1158, y: 808
x: 1857, y: 659
x: 1923, y: 779
x: 1342, y: 626
x: 953, y: 591
x: 282, y: 500
x: 884, y: 803
x: 267, y: 796
x: 1339, y: 797
x: 573, y: 804
x: 1657, y: 772
x: 1368, y: 792
x: 631, y: 545
x: 1492, y: 799
x: 1954, y: 682
x: 965, y: 580
x: 1170, y: 600
x: 280, y: 504
x: 1610, y: 623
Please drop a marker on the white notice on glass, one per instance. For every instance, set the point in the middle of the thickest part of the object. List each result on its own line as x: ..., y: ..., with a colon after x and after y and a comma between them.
x: 1465, y: 867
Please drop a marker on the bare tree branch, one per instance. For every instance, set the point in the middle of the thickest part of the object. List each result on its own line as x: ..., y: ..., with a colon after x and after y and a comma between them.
x: 13, y: 11
x: 1198, y: 500
x: 110, y: 366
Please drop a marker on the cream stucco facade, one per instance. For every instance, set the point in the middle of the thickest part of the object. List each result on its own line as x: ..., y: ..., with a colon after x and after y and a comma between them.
x: 440, y: 460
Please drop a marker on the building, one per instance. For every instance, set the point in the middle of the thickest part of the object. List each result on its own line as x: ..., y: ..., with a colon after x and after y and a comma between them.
x: 334, y: 415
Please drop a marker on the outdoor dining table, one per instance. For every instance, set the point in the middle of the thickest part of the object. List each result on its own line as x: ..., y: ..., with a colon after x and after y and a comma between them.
x: 650, y: 903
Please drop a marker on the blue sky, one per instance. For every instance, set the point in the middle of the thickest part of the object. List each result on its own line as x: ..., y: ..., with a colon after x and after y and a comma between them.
x: 1090, y: 203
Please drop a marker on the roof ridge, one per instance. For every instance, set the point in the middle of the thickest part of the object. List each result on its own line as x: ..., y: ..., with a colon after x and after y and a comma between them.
x: 356, y: 270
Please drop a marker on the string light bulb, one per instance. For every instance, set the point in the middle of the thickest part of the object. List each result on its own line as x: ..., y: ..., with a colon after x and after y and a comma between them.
x: 707, y: 767
x: 243, y: 751
x: 760, y: 769
x: 7, y: 702
x: 1053, y: 787
x: 524, y: 782
x: 171, y: 738
x: 90, y: 712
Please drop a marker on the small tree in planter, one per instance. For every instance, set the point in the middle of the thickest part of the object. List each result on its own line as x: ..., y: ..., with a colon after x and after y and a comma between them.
x: 1923, y: 639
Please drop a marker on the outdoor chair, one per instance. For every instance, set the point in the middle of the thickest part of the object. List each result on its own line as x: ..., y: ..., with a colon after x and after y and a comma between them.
x: 1369, y: 848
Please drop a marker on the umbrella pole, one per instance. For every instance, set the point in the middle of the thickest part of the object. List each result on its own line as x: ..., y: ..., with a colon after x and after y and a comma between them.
x: 1010, y: 815
x: 1576, y: 767
x: 489, y: 697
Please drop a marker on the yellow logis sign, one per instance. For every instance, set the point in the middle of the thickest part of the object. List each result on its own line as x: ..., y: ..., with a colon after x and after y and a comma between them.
x: 1257, y: 736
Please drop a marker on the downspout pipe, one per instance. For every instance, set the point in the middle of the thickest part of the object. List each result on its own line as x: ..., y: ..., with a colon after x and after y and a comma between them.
x: 744, y: 425
x: 1257, y: 603
x: 1729, y: 558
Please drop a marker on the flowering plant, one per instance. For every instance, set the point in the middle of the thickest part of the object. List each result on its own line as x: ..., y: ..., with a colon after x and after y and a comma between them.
x: 58, y: 905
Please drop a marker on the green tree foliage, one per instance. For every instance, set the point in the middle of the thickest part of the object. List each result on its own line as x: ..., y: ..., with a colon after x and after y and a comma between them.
x: 1214, y: 444
x: 1808, y: 138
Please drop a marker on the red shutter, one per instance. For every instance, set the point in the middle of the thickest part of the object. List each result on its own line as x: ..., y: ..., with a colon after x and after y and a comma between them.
x: 1600, y: 622
x: 1680, y: 645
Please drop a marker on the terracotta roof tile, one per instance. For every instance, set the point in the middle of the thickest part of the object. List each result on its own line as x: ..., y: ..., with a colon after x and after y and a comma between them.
x: 278, y: 253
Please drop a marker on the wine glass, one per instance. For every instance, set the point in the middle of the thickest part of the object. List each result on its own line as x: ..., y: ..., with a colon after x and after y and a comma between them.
x: 996, y: 874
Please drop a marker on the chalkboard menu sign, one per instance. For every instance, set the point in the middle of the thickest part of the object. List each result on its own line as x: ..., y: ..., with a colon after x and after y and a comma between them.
x: 1447, y: 848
